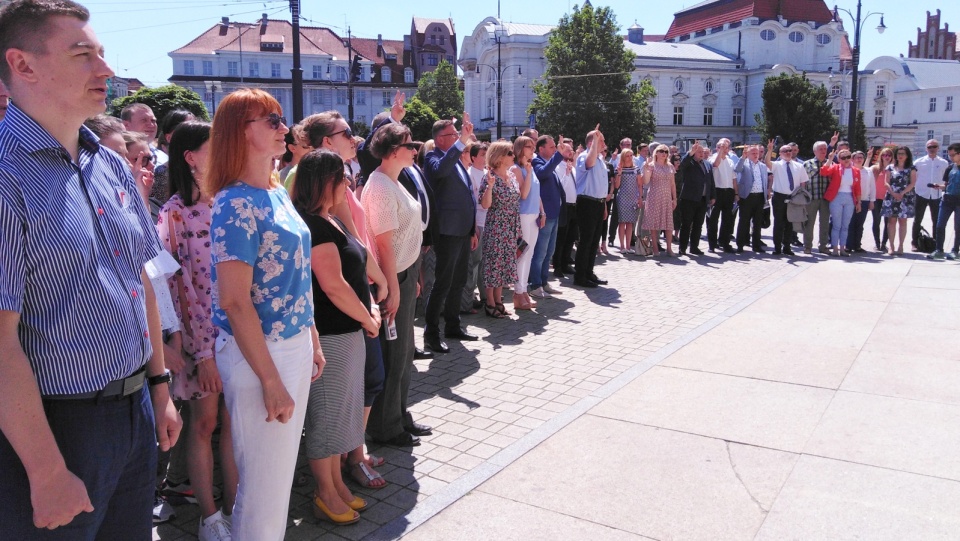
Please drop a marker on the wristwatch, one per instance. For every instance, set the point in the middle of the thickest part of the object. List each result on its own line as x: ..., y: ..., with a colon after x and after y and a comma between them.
x: 157, y: 380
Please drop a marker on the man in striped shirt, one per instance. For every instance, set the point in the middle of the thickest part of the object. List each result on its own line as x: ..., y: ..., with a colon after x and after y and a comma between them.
x: 82, y: 362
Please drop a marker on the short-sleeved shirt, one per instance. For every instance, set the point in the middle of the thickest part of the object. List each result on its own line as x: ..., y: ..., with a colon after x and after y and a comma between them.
x: 781, y: 181
x: 591, y: 182
x: 929, y: 171
x: 390, y: 207
x: 353, y: 268
x: 74, y: 237
x: 261, y: 228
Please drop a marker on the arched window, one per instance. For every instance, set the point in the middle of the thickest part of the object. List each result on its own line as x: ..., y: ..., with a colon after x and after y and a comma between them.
x: 738, y: 87
x: 796, y: 37
x: 386, y: 76
x: 823, y: 39
x: 678, y: 85
x: 708, y: 86
x: 768, y: 35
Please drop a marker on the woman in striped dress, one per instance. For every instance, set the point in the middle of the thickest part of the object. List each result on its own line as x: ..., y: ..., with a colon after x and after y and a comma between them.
x: 343, y: 310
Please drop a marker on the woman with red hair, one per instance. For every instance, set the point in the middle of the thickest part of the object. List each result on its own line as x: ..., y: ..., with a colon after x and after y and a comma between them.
x: 268, y: 345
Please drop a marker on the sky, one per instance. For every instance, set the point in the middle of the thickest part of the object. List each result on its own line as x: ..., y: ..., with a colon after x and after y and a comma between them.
x: 137, y: 34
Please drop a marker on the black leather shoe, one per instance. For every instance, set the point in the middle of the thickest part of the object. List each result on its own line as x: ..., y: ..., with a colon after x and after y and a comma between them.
x: 559, y: 274
x: 418, y: 429
x: 585, y: 283
x: 728, y: 249
x: 568, y: 270
x: 404, y: 439
x: 759, y: 249
x: 460, y: 334
x: 421, y: 354
x: 696, y: 251
x: 739, y: 249
x: 788, y: 251
x: 597, y: 280
x: 434, y: 343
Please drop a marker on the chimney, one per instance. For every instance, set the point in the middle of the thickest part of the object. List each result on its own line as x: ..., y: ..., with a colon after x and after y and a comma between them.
x: 635, y: 34
x: 379, y: 44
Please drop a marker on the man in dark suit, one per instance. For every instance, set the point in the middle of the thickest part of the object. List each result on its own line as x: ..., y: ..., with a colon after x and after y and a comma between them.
x: 753, y: 191
x: 456, y: 232
x: 696, y: 194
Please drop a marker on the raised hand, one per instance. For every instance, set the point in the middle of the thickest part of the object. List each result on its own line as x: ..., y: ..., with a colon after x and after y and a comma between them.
x: 466, y: 130
x: 398, y: 111
x: 835, y: 138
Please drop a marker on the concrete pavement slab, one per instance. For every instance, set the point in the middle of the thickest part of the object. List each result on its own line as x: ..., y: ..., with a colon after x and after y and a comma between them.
x: 648, y: 481
x: 880, y: 371
x: 896, y: 433
x: 831, y: 499
x: 769, y: 414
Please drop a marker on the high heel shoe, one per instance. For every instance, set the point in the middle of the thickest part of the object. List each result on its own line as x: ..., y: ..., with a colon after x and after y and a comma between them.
x: 358, y: 504
x: 503, y: 309
x: 492, y: 311
x: 322, y: 512
x: 530, y: 302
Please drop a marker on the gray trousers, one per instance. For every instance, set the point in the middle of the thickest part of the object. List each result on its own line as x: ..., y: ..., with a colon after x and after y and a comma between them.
x: 817, y: 207
x: 389, y: 413
x: 474, y: 276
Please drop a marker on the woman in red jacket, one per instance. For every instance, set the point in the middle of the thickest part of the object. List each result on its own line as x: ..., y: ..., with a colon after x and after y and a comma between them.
x: 843, y: 193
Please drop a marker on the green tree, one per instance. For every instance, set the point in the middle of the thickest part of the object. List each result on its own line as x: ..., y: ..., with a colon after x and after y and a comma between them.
x: 858, y: 140
x: 163, y: 100
x: 440, y: 89
x: 796, y: 110
x: 420, y: 118
x: 588, y: 81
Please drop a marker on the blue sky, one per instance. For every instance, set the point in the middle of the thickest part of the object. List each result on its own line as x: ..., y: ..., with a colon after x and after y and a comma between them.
x: 138, y: 34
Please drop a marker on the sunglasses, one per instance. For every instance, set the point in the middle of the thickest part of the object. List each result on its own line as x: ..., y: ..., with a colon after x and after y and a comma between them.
x: 844, y: 157
x: 509, y: 153
x: 145, y: 159
x: 663, y: 152
x: 348, y: 133
x: 410, y: 146
x: 273, y: 118
x: 932, y: 147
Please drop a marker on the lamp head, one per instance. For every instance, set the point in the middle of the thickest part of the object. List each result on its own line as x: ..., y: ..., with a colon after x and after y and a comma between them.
x: 882, y: 26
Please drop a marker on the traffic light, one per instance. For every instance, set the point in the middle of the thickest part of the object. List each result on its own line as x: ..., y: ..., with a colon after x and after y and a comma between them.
x: 355, y: 70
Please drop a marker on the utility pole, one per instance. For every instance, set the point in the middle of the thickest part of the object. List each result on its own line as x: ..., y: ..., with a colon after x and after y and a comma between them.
x: 349, y: 76
x: 297, y: 71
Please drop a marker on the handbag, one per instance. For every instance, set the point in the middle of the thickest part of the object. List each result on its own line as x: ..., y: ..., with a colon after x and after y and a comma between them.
x: 925, y: 242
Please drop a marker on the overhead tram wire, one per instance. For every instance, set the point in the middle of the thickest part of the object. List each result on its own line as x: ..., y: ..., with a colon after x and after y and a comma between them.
x: 284, y: 8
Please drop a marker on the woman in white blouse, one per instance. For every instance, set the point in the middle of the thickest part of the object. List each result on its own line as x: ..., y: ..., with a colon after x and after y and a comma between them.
x: 868, y: 193
x: 393, y: 222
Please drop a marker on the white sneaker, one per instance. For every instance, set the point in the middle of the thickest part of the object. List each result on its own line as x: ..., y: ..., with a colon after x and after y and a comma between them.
x: 552, y: 290
x: 214, y: 528
x: 540, y: 293
x: 162, y: 510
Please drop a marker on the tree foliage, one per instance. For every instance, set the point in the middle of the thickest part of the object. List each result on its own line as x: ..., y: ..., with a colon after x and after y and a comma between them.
x: 796, y: 110
x: 420, y: 118
x: 163, y: 100
x: 858, y: 140
x: 440, y: 89
x: 588, y: 81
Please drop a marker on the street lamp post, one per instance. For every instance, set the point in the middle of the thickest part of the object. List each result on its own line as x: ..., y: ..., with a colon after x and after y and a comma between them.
x: 297, y: 71
x: 857, y: 28
x: 500, y: 71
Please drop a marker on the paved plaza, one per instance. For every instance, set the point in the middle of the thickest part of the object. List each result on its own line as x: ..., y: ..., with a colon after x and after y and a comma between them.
x: 720, y: 397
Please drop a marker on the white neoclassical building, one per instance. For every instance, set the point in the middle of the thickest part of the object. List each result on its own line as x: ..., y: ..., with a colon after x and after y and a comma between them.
x: 708, y: 69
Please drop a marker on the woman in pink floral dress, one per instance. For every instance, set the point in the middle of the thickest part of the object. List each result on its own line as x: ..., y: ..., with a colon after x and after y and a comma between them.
x: 662, y: 197
x: 184, y: 228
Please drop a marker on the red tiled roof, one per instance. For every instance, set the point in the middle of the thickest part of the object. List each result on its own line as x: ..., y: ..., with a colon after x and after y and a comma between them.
x: 313, y: 40
x: 367, y: 48
x: 714, y: 13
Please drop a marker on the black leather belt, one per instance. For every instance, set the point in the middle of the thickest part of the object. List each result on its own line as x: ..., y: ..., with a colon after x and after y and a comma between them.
x: 600, y: 199
x: 118, y: 388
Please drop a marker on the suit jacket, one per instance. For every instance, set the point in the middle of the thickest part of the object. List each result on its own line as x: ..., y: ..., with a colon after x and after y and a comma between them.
x: 407, y: 182
x: 745, y: 178
x: 835, y: 172
x: 456, y: 208
x: 695, y: 178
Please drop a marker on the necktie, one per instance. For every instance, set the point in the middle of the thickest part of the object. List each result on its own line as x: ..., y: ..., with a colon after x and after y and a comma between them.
x: 420, y: 195
x: 789, y: 176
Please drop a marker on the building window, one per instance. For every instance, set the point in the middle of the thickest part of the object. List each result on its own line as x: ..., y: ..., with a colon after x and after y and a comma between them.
x: 360, y: 97
x: 316, y: 96
x: 433, y: 40
x: 708, y: 87
x: 881, y: 91
x: 946, y: 141
x: 738, y: 116
x: 796, y: 37
x: 768, y: 35
x: 341, y: 96
x: 836, y: 89
x: 738, y: 87
x: 317, y: 72
x: 933, y: 106
x: 678, y: 85
x: 708, y: 116
x: 450, y: 59
x: 387, y: 100
x: 442, y: 39
x: 929, y: 134
x: 678, y: 116
x: 208, y: 67
x: 949, y: 105
x: 408, y: 75
x: 837, y: 113
x: 254, y: 70
x: 233, y: 69
x: 188, y: 67
x: 341, y: 73
x: 432, y: 59
x: 274, y: 69
x: 823, y: 39
x: 386, y: 75
x: 894, y: 111
x: 878, y: 118
x: 489, y: 107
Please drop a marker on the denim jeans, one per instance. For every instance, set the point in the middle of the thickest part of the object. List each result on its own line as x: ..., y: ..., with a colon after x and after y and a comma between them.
x: 950, y: 204
x: 543, y: 253
x: 841, y: 211
x: 111, y: 445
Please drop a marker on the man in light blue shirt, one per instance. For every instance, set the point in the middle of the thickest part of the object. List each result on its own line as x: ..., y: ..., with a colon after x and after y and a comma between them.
x: 592, y: 182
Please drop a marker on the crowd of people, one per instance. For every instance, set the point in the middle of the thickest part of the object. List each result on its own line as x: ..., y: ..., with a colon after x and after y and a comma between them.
x: 265, y: 279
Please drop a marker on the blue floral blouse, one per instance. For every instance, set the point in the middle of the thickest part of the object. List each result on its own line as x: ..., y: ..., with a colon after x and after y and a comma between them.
x: 261, y: 228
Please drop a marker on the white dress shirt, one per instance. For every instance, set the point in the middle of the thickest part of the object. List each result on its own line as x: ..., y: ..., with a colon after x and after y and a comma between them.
x: 929, y: 171
x: 723, y: 175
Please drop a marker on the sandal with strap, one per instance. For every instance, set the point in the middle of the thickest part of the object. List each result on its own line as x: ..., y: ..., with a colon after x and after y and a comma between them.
x: 365, y: 475
x: 493, y: 311
x: 503, y: 309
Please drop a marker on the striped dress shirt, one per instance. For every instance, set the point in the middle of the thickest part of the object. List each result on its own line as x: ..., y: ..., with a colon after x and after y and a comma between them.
x: 73, y: 239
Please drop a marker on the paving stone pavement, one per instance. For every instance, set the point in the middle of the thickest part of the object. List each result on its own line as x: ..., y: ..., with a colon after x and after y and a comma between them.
x: 484, y: 396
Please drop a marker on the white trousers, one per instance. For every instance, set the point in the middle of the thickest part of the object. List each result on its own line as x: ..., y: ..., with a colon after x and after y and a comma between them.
x: 266, y: 453
x: 529, y: 230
